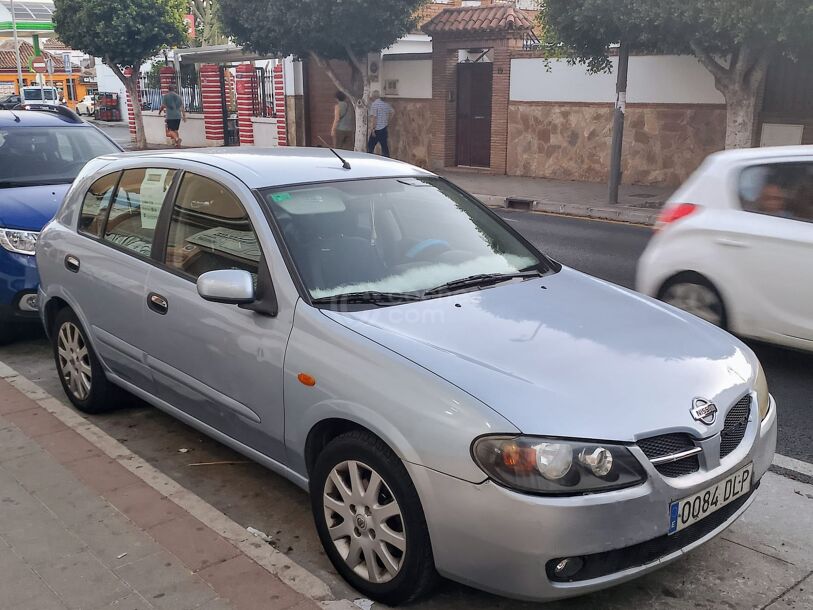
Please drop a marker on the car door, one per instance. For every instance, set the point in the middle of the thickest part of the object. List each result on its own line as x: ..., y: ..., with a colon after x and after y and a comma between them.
x: 774, y: 248
x: 218, y: 363
x: 111, y: 260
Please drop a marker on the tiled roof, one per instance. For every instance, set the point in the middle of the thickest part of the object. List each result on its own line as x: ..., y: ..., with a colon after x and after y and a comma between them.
x: 8, y: 61
x: 55, y: 44
x: 479, y: 20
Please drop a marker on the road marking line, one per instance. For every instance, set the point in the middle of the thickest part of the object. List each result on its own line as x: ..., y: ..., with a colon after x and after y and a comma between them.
x: 794, y: 465
x: 275, y: 561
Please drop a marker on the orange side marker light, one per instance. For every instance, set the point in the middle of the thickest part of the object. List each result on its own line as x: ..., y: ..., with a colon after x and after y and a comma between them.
x: 306, y: 379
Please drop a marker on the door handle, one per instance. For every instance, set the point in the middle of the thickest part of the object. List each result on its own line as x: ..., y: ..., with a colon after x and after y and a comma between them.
x: 72, y: 263
x: 157, y: 303
x: 479, y: 117
x: 731, y: 243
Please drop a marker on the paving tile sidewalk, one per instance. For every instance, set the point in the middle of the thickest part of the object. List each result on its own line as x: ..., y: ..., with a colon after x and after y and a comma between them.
x: 79, y: 531
x: 639, y: 204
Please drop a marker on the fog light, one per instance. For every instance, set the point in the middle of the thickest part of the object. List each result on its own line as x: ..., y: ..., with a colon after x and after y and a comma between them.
x: 568, y: 567
x: 29, y: 302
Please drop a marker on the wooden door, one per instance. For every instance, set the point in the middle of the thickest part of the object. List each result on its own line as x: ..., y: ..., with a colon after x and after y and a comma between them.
x: 474, y: 114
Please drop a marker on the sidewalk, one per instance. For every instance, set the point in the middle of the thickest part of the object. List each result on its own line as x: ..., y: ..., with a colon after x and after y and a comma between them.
x: 78, y: 530
x: 638, y: 204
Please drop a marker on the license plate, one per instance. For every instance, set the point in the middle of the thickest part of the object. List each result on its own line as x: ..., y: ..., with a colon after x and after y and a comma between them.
x: 685, y: 512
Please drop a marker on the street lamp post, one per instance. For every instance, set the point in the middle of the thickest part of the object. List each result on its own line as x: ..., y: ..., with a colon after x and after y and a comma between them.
x: 17, y: 49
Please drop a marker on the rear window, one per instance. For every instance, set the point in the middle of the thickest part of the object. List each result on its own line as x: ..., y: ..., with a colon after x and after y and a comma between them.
x: 784, y: 190
x: 31, y: 156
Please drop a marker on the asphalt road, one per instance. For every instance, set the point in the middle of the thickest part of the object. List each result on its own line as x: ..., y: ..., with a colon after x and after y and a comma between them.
x: 610, y: 251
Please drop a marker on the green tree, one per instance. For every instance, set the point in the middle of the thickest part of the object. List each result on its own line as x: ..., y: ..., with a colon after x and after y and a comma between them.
x: 736, y: 40
x: 208, y: 30
x: 323, y: 30
x: 124, y: 33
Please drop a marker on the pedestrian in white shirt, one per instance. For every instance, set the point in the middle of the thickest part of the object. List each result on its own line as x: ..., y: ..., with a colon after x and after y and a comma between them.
x: 380, y: 115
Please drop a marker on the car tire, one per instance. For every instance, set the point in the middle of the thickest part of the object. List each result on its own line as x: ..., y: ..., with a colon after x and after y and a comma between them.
x: 693, y: 293
x: 79, y: 369
x: 358, y: 532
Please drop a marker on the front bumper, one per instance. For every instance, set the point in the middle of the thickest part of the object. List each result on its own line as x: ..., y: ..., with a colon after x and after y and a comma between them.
x: 501, y: 541
x: 18, y: 282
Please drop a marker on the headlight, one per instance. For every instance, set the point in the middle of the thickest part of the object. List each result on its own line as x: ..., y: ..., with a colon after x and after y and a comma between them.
x: 557, y: 467
x: 763, y: 396
x: 21, y: 242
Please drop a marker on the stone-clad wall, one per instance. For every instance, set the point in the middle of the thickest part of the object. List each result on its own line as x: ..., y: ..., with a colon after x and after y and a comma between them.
x: 411, y: 130
x: 663, y: 144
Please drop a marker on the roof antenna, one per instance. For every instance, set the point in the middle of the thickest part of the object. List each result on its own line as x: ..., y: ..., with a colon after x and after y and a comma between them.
x: 345, y: 164
x: 16, y: 118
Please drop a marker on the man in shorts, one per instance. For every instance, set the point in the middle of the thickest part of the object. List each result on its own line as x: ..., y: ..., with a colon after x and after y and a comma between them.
x: 173, y: 104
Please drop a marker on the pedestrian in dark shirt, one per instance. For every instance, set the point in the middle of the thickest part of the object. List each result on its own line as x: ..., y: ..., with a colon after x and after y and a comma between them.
x: 172, y: 103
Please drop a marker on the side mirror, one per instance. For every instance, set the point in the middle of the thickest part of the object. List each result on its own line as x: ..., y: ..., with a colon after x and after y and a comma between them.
x: 231, y: 286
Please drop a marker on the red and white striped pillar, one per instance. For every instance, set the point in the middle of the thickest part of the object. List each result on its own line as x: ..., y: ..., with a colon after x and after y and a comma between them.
x: 246, y: 93
x: 167, y: 78
x: 212, y: 99
x: 130, y: 112
x: 279, y: 105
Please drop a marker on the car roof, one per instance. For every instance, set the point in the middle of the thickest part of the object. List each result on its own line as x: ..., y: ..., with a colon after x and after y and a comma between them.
x: 267, y: 167
x: 761, y: 154
x: 37, y: 118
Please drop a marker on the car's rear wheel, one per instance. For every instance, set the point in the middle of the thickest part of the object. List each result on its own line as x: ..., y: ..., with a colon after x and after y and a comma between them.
x: 79, y: 369
x: 370, y: 520
x: 696, y: 295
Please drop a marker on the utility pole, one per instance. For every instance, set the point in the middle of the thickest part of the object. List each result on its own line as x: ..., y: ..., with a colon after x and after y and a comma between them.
x: 17, y: 50
x: 618, y: 121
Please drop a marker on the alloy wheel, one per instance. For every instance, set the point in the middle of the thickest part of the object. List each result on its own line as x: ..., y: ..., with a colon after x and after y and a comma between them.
x: 696, y: 299
x: 364, y: 521
x: 74, y: 360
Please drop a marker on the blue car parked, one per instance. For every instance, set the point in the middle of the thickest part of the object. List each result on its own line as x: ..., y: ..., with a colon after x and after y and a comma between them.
x: 42, y: 149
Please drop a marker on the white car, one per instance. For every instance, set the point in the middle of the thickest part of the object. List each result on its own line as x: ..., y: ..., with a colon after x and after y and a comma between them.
x: 734, y: 245
x: 87, y: 106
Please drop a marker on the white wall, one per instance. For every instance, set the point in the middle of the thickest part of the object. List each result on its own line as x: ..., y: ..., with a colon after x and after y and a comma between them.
x: 414, y: 77
x: 656, y: 79
x: 192, y: 131
x: 265, y: 132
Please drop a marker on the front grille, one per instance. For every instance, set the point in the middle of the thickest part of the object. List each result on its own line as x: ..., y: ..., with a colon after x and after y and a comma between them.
x: 679, y: 468
x: 618, y: 560
x: 736, y: 422
x: 670, y: 444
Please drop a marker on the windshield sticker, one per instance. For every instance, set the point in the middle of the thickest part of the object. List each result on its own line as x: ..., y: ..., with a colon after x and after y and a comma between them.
x: 280, y: 197
x: 153, y: 190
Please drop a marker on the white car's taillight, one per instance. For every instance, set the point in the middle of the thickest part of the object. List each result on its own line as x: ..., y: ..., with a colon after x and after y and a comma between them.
x: 673, y: 213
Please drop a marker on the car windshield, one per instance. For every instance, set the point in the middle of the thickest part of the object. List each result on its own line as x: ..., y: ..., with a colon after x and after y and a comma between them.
x: 407, y: 236
x: 35, y: 93
x: 30, y: 156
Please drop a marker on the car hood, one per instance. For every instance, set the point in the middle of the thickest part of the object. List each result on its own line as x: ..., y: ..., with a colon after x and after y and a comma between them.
x: 31, y: 207
x: 569, y: 355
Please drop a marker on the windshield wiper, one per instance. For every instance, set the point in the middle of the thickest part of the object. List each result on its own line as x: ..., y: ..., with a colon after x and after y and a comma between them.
x: 367, y: 297
x: 4, y: 184
x: 480, y: 281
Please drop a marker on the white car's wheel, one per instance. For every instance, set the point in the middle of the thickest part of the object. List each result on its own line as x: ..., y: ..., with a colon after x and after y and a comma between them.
x: 696, y: 295
x: 370, y: 520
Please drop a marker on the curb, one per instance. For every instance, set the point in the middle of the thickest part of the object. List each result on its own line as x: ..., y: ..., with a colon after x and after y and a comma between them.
x: 626, y: 214
x: 272, y: 560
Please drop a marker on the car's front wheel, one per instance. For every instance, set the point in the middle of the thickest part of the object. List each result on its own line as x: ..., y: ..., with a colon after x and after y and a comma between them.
x: 370, y: 520
x: 695, y: 294
x: 79, y: 369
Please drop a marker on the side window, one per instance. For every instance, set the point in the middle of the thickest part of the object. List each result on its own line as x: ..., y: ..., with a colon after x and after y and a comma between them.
x: 210, y: 230
x: 135, y: 210
x: 95, y: 205
x: 779, y: 189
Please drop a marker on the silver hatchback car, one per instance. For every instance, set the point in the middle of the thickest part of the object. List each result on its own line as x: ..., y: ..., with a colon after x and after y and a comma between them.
x: 455, y: 402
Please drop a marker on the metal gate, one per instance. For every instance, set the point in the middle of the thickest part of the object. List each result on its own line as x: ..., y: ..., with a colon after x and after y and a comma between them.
x: 231, y: 129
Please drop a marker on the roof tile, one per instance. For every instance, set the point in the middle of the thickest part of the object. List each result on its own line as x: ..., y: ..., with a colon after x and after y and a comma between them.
x: 478, y: 19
